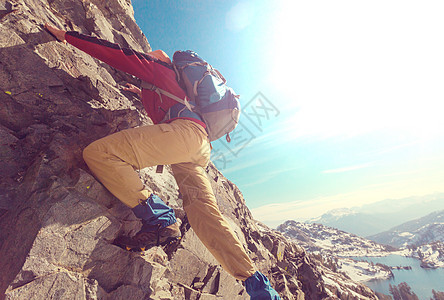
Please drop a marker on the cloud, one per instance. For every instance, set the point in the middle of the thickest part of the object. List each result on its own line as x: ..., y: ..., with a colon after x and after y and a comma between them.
x: 347, y: 169
x: 269, y: 175
x: 235, y: 167
x: 305, y: 209
x: 301, y: 210
x: 394, y: 148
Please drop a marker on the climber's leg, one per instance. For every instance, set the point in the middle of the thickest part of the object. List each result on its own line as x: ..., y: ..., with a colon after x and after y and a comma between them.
x: 113, y: 159
x: 208, y: 223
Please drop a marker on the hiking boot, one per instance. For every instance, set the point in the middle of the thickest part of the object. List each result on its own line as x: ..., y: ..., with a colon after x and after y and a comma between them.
x: 157, y: 237
x: 259, y: 288
x: 150, y: 236
x: 159, y: 226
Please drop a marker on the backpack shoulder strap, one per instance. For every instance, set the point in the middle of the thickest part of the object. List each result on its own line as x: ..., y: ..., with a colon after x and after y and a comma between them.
x: 160, y: 92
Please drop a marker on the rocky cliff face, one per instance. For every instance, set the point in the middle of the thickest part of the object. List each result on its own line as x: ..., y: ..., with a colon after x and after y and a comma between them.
x: 58, y: 223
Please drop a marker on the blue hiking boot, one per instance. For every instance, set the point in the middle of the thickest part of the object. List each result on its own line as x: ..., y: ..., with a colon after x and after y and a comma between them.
x: 259, y: 288
x: 159, y: 226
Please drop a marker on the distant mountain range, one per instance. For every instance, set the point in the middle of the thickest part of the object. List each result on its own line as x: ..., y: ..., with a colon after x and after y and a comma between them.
x: 317, y: 238
x: 422, y: 238
x: 378, y: 217
x: 418, y: 232
x: 335, y: 247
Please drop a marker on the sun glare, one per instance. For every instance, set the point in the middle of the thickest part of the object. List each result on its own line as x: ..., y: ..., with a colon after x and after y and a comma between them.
x: 352, y: 67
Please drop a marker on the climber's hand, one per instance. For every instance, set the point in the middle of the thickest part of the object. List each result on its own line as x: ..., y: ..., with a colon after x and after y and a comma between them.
x: 132, y: 88
x: 57, y: 33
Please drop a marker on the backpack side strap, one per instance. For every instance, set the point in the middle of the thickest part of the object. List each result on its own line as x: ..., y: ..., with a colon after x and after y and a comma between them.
x: 160, y: 92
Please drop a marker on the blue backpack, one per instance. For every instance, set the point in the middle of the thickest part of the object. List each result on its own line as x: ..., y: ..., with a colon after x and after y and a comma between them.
x: 207, y: 94
x: 216, y: 103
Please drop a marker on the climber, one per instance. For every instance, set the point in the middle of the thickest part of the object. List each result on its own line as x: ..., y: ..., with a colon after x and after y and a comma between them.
x: 181, y: 142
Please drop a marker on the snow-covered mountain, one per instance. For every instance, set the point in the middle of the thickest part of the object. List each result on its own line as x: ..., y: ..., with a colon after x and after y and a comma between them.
x: 320, y: 239
x: 431, y: 255
x: 421, y: 238
x: 380, y: 216
x: 337, y: 249
x: 334, y: 246
x: 351, y: 220
x: 414, y: 233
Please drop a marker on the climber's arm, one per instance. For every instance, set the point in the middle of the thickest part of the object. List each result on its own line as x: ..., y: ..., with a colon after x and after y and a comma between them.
x: 57, y: 33
x: 125, y: 59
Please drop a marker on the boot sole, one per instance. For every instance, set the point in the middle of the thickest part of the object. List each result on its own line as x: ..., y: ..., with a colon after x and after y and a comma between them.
x: 127, y: 244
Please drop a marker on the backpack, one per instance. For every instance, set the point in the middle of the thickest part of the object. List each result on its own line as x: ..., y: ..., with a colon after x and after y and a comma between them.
x: 207, y: 94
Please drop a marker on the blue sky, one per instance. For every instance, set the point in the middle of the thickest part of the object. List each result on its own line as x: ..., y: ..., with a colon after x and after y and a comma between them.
x: 343, y: 100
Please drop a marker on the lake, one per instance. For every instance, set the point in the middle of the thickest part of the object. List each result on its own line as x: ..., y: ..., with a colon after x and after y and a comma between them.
x: 422, y: 281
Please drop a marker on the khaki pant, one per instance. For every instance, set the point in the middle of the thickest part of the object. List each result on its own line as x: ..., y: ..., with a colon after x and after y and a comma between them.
x: 184, y: 145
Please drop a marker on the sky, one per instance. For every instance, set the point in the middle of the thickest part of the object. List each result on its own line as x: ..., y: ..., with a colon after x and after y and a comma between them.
x: 342, y: 101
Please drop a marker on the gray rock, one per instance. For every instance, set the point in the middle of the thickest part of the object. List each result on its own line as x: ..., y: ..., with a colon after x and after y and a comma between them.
x: 60, y: 285
x: 126, y: 292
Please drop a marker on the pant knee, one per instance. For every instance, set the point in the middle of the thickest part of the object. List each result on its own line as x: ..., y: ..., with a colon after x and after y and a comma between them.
x: 90, y: 152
